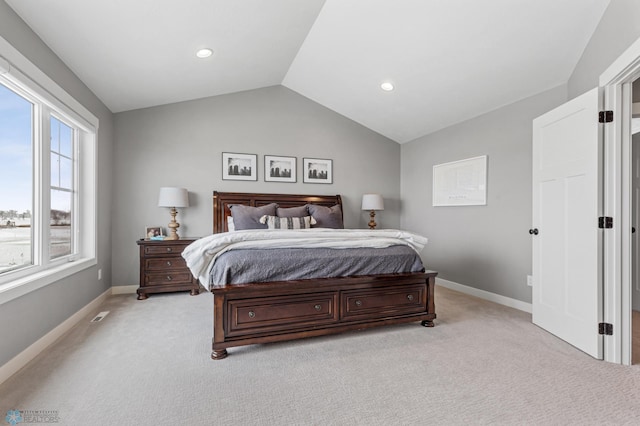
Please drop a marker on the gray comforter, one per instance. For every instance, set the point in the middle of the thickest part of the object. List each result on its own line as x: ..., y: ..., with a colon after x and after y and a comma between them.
x: 263, y: 265
x: 202, y: 254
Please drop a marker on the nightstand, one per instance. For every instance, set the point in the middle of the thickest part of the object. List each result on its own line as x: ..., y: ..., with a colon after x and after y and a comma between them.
x: 162, y: 268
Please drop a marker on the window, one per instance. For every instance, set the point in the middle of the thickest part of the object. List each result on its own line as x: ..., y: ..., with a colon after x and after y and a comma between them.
x: 22, y: 117
x: 47, y: 179
x: 62, y: 190
x: 16, y: 180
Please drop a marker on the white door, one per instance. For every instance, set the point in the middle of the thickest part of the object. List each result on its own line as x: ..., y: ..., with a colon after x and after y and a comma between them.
x: 635, y: 223
x: 567, y: 244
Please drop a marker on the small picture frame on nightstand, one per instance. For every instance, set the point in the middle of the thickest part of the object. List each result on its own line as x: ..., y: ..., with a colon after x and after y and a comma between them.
x: 153, y: 233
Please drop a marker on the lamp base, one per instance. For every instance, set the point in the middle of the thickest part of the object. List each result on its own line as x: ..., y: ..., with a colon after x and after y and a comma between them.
x: 372, y: 222
x: 173, y: 226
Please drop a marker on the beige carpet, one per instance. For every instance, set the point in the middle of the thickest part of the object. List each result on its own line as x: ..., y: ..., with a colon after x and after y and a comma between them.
x: 148, y: 363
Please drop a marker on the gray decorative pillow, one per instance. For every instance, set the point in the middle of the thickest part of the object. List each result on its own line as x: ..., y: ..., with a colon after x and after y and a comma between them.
x: 293, y: 211
x: 274, y: 222
x: 326, y: 217
x: 247, y: 217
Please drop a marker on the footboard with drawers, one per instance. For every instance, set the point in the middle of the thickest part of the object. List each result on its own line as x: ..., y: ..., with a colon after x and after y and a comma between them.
x: 271, y: 312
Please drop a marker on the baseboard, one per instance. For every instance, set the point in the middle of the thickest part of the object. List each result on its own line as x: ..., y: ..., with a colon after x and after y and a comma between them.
x: 124, y: 289
x: 20, y: 360
x: 486, y: 295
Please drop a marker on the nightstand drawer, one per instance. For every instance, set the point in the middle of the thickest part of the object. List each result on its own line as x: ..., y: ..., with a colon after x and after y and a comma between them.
x: 163, y: 250
x: 165, y: 264
x: 169, y: 277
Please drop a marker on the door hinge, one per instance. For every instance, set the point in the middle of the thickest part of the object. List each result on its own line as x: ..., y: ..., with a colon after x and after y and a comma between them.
x: 605, y: 222
x: 605, y: 116
x: 605, y: 328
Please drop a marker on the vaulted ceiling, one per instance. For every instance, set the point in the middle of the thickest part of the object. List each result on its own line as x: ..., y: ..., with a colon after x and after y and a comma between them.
x: 449, y: 60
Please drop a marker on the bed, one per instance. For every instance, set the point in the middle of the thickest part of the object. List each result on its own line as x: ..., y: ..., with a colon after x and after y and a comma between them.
x: 271, y: 311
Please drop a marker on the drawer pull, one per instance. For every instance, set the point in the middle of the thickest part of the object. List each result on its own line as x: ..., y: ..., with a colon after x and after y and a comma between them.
x: 169, y: 278
x: 410, y: 297
x: 358, y: 302
x: 168, y: 263
x: 252, y: 314
x: 317, y: 307
x: 169, y: 249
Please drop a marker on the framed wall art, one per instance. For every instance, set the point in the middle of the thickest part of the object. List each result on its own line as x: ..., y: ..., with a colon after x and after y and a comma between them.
x: 317, y: 170
x: 461, y: 183
x: 239, y: 166
x: 279, y: 169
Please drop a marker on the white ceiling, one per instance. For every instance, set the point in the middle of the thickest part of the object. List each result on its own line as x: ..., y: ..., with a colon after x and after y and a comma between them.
x: 450, y: 60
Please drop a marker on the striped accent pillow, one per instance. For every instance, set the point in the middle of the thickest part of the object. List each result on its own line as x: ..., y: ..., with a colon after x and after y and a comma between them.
x: 274, y: 222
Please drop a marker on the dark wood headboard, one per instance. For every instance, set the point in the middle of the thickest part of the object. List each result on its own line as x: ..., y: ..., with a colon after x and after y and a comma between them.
x: 222, y: 200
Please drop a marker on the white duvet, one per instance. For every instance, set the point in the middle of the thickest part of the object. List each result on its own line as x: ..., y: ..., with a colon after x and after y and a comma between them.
x: 201, y: 254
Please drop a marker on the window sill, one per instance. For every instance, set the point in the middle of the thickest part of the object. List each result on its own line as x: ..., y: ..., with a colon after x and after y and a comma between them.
x: 21, y: 286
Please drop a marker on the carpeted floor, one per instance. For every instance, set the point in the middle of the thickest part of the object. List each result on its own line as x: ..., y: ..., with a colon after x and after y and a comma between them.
x: 147, y: 363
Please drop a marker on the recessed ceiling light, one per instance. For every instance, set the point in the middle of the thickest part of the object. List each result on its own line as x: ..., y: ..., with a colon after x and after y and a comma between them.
x: 386, y: 86
x: 204, y: 53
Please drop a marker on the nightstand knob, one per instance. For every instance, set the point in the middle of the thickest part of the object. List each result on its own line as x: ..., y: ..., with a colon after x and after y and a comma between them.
x: 317, y: 307
x: 358, y: 302
x: 169, y: 249
x: 168, y: 263
x: 410, y: 297
x: 169, y: 278
x: 252, y: 314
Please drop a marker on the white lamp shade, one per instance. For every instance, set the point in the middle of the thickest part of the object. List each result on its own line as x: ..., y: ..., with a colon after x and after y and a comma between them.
x: 173, y: 197
x: 372, y: 202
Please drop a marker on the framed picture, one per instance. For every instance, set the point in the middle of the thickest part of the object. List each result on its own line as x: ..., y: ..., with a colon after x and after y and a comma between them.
x: 279, y: 169
x: 153, y: 231
x: 317, y: 170
x: 460, y: 183
x: 239, y: 166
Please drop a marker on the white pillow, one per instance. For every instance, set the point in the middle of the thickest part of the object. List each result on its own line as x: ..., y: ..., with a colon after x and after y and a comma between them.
x: 230, y: 226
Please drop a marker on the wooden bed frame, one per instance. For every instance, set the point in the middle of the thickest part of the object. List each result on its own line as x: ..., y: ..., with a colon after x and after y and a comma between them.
x: 253, y: 313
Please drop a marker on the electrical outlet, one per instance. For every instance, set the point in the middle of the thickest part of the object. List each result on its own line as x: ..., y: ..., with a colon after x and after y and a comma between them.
x: 99, y: 274
x: 529, y: 280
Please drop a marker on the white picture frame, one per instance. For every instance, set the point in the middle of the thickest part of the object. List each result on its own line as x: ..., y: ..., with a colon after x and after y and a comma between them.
x: 280, y: 169
x: 460, y: 183
x: 237, y: 166
x: 317, y: 170
x: 153, y: 232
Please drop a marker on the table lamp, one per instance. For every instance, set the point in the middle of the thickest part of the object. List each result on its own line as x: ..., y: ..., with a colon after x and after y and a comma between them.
x: 174, y: 198
x: 372, y: 202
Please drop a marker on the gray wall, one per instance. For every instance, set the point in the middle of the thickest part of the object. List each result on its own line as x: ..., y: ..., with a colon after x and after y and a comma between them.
x: 181, y: 145
x: 486, y: 247
x: 617, y: 30
x: 26, y: 319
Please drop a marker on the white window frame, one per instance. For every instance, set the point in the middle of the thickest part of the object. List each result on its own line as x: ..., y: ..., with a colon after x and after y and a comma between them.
x: 20, y: 73
x: 74, y: 186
